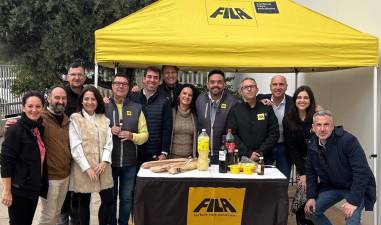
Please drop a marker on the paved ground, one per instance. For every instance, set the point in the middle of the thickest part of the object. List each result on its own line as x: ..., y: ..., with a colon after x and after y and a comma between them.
x: 334, y: 214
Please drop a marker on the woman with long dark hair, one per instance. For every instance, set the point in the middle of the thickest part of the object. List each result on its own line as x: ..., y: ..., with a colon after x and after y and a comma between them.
x: 184, y: 131
x: 91, y: 147
x: 297, y: 126
x: 23, y: 162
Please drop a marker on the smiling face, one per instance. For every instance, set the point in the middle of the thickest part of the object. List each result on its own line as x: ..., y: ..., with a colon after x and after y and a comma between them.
x: 186, y: 96
x: 120, y: 87
x: 170, y: 75
x: 33, y: 108
x: 216, y: 84
x: 89, y: 102
x: 278, y: 86
x: 302, y: 101
x: 151, y: 81
x: 57, y: 100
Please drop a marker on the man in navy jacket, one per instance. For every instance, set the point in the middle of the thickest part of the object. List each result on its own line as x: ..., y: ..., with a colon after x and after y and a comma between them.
x: 337, y: 169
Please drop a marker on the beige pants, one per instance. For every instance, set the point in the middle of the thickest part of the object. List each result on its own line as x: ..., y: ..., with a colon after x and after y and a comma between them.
x: 51, y: 206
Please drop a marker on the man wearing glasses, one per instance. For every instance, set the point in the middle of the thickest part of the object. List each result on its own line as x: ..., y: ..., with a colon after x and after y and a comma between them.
x: 212, y: 110
x: 129, y: 129
x: 254, y: 125
x: 76, y: 78
x: 337, y: 169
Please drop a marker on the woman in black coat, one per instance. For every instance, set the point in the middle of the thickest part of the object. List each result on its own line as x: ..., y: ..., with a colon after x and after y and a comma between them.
x: 23, y: 164
x: 297, y: 126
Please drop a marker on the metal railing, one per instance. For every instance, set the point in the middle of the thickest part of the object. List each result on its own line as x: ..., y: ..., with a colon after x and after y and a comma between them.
x: 9, y: 103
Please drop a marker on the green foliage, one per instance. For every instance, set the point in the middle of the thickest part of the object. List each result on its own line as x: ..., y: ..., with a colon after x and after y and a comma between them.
x: 43, y: 36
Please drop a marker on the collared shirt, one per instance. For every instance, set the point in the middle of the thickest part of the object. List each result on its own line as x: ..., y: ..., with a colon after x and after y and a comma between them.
x: 146, y: 94
x: 321, y: 144
x: 279, y: 111
x: 214, y: 107
x: 76, y: 144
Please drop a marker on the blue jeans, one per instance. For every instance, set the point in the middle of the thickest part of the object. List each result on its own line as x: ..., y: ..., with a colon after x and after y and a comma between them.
x: 327, y: 199
x: 280, y: 156
x: 124, y: 179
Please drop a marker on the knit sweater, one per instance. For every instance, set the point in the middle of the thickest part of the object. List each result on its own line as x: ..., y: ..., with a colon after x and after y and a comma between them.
x: 183, y: 132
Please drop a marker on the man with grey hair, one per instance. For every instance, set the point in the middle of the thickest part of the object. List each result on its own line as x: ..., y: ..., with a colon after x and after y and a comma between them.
x: 254, y: 125
x: 337, y: 169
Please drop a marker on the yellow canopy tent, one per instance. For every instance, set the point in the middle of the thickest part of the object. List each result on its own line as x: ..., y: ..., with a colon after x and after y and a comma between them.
x: 245, y: 35
x: 237, y: 35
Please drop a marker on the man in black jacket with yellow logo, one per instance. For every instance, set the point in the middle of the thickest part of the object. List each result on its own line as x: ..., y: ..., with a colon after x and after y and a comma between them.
x: 254, y: 125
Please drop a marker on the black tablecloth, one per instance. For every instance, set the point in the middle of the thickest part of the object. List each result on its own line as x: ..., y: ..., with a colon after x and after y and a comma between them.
x: 164, y: 201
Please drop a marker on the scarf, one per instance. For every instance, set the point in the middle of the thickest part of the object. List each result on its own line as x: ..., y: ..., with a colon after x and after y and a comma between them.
x: 41, y: 146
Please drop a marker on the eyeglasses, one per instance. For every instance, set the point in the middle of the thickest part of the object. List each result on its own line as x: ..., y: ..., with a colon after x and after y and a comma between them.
x: 76, y: 74
x: 249, y: 87
x: 120, y: 84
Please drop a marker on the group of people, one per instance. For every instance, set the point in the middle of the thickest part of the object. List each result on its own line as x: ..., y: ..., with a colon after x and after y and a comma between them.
x: 83, y: 143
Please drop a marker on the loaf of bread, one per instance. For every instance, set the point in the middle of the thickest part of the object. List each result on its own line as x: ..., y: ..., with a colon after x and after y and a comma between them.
x: 150, y: 164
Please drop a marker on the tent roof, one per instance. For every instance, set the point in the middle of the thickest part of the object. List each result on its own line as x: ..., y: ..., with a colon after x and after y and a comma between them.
x: 247, y: 36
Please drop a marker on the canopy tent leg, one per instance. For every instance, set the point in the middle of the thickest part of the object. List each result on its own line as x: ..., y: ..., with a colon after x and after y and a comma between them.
x: 116, y: 65
x: 375, y: 137
x: 96, y: 75
x: 296, y: 77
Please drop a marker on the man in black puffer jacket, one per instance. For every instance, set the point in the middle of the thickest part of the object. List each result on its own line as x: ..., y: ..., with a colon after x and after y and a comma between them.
x: 157, y: 110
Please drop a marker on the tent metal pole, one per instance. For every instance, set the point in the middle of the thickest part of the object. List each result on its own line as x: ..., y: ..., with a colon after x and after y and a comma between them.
x: 96, y: 75
x: 296, y: 78
x: 375, y: 136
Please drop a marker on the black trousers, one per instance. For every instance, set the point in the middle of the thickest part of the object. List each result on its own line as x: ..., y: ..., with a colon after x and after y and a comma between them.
x: 22, y: 210
x: 104, y: 209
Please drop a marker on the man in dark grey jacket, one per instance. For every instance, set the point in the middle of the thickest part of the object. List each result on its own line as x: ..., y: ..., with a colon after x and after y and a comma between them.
x: 213, y: 108
x: 129, y: 129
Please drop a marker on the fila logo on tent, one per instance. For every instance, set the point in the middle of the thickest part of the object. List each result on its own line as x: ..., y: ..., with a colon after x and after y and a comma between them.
x: 231, y: 13
x: 215, y: 205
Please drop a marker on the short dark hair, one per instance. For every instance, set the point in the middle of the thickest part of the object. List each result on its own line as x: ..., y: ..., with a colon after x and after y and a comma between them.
x: 77, y: 63
x: 216, y: 71
x: 176, y: 68
x: 100, y: 104
x: 122, y: 75
x: 50, y: 90
x: 32, y: 94
x: 154, y: 69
